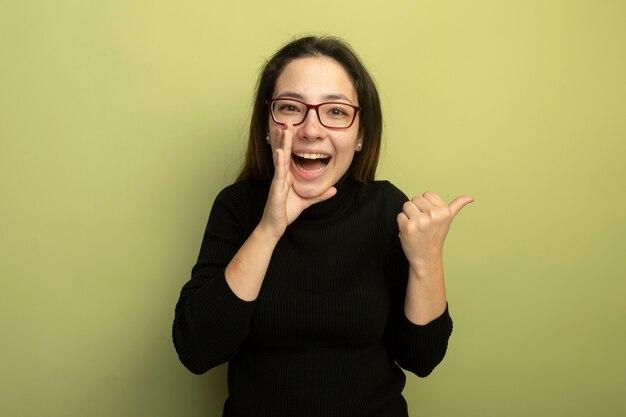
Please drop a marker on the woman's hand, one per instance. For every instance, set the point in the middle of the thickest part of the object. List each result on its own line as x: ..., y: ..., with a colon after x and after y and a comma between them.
x: 424, y: 223
x: 284, y: 205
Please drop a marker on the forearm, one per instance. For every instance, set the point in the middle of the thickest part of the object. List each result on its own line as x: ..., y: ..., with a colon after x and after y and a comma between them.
x: 426, y: 292
x: 246, y: 271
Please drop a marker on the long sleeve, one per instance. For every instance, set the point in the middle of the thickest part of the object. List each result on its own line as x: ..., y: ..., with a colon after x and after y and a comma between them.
x: 211, y: 322
x: 416, y: 348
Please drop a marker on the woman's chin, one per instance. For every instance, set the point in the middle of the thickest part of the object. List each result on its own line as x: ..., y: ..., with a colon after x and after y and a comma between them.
x: 308, y: 191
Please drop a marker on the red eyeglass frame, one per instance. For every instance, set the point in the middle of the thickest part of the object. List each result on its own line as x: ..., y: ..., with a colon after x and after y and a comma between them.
x: 314, y: 107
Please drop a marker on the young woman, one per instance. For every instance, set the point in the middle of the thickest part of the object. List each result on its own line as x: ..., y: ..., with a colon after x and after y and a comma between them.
x: 314, y: 281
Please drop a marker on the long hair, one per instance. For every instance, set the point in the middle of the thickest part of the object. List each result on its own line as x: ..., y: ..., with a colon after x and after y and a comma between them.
x: 258, y: 163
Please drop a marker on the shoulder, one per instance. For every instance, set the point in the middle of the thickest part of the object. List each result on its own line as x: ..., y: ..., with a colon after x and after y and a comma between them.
x: 242, y: 192
x: 384, y: 192
x: 242, y: 200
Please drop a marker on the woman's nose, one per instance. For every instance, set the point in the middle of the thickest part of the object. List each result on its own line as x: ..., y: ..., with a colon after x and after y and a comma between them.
x: 311, y: 127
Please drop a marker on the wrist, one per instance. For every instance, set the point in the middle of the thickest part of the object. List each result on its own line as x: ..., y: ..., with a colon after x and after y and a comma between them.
x: 266, y: 234
x: 426, y: 266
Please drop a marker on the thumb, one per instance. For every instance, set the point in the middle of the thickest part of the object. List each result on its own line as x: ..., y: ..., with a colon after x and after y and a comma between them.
x: 458, y: 203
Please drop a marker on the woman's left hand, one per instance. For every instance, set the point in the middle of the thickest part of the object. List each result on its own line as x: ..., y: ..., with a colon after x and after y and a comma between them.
x: 424, y: 223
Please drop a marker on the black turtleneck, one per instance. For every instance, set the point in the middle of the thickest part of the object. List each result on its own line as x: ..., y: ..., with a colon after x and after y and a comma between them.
x: 327, y: 334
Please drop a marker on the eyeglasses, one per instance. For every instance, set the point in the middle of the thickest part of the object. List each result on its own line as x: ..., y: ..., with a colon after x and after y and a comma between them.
x: 333, y: 115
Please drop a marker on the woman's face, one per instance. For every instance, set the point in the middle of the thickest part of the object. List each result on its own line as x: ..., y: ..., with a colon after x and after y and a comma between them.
x: 319, y: 155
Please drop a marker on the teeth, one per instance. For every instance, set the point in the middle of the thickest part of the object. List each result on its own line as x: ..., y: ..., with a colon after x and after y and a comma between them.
x: 312, y: 155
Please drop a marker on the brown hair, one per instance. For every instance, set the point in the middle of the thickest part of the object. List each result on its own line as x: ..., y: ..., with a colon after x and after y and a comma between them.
x: 258, y: 163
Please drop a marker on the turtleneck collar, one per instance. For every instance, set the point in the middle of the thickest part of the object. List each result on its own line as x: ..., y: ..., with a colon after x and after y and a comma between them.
x: 334, y: 207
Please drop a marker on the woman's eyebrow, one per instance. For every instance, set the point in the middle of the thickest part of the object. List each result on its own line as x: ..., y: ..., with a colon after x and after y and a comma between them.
x: 291, y: 94
x: 327, y: 97
x: 337, y: 97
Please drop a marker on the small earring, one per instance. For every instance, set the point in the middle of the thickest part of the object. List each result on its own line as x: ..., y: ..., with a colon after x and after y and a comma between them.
x: 359, y: 146
x: 267, y: 138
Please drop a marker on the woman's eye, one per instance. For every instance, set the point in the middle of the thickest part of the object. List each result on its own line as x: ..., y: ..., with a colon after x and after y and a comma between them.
x: 288, y: 108
x: 337, y: 111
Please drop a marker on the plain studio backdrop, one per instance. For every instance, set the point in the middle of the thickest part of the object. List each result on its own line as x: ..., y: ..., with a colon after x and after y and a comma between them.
x: 121, y: 120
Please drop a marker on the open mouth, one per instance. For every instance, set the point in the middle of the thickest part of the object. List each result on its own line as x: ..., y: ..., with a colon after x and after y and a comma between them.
x: 311, y: 162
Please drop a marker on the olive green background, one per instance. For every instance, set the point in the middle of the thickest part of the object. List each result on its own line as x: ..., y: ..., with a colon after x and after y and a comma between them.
x: 121, y: 120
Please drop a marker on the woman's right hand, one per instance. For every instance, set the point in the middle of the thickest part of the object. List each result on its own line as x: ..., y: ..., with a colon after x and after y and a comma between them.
x: 246, y: 271
x: 283, y: 204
